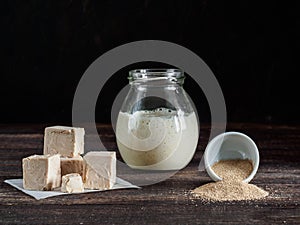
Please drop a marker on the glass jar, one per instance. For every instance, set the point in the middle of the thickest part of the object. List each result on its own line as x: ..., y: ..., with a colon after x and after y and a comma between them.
x: 157, y: 127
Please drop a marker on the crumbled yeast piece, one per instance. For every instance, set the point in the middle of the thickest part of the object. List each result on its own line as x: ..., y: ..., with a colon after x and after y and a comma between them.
x: 72, y: 183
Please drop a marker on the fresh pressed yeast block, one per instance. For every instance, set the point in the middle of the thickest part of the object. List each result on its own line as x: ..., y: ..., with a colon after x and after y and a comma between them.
x: 100, y: 170
x: 66, y: 141
x: 71, y: 165
x: 41, y: 172
x: 72, y: 183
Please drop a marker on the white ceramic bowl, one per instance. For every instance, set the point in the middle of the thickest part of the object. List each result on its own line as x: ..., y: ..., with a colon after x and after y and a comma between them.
x: 231, y: 145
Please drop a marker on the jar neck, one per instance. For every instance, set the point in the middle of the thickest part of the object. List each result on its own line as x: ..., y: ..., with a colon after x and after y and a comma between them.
x: 156, y: 77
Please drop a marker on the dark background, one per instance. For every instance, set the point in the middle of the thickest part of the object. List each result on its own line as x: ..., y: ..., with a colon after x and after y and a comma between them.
x: 252, y: 48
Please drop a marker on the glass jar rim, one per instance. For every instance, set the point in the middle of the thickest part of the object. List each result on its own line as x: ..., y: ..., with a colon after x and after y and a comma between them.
x: 141, y: 74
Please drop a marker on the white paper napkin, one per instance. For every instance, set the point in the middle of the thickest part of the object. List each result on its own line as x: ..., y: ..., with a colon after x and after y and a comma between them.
x: 18, y: 183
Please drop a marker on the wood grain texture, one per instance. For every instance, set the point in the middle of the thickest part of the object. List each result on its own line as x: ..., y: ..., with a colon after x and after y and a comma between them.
x: 168, y: 202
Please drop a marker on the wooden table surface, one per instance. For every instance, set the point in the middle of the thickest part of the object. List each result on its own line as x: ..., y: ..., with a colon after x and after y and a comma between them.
x: 168, y: 202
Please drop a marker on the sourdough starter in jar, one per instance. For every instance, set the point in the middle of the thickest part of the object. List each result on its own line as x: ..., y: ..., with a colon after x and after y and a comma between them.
x: 160, y: 139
